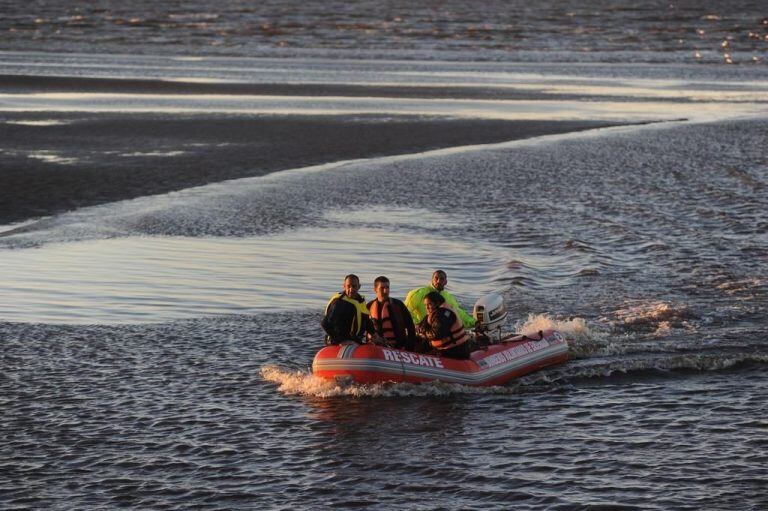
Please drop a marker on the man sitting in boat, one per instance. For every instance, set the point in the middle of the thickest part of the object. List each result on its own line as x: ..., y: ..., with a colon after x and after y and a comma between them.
x: 415, y: 300
x: 391, y: 318
x: 443, y: 328
x: 346, y: 316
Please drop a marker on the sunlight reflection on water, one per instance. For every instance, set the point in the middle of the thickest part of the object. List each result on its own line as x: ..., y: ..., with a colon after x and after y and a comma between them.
x: 539, y: 109
x: 147, y: 279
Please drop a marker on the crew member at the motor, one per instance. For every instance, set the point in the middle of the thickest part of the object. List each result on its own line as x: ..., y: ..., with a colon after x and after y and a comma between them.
x: 346, y: 316
x: 391, y: 318
x: 443, y: 328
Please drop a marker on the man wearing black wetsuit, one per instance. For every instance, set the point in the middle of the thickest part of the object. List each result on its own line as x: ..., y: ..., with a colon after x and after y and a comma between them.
x: 346, y: 316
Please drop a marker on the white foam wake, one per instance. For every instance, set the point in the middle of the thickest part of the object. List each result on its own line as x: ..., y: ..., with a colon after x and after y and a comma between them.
x: 583, y: 341
x: 303, y: 383
x: 574, y: 328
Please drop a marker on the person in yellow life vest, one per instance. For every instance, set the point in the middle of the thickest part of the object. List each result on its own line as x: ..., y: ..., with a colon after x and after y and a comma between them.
x: 346, y: 316
x: 415, y: 300
x: 391, y: 318
x: 443, y: 328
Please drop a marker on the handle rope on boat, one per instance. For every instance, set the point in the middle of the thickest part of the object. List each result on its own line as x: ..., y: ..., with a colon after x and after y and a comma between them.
x: 523, y: 337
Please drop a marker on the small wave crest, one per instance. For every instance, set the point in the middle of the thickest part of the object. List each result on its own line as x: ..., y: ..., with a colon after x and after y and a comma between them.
x: 743, y: 286
x: 657, y: 317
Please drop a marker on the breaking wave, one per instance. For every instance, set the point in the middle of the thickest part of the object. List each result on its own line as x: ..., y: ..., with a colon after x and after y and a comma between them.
x: 658, y: 318
x: 574, y: 328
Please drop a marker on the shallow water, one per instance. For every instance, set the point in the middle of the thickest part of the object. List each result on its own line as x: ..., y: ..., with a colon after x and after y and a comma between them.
x: 150, y: 279
x: 647, y: 245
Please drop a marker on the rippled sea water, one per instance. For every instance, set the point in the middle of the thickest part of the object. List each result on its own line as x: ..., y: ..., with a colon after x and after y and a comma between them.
x: 155, y: 352
x: 572, y: 31
x: 189, y: 415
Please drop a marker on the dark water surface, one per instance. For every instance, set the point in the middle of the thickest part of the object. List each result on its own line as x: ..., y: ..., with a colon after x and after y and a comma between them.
x: 179, y: 416
x: 154, y: 351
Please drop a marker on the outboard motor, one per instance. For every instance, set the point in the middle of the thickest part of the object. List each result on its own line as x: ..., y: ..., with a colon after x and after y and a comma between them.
x: 490, y: 314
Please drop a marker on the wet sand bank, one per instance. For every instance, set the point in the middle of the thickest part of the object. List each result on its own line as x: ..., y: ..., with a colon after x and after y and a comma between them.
x: 51, y: 84
x: 53, y: 162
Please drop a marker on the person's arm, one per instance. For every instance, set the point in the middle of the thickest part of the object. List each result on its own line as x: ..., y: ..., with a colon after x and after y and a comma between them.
x: 426, y: 330
x: 373, y: 329
x: 410, y: 328
x: 368, y: 326
x: 328, y: 323
x: 437, y: 326
x: 466, y: 319
x: 446, y: 320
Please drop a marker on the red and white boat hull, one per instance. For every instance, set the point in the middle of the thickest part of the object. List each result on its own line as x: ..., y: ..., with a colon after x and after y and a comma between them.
x: 496, y: 365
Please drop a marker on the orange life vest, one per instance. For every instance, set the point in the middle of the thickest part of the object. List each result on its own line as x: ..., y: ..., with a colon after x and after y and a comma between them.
x: 458, y: 334
x: 382, y: 316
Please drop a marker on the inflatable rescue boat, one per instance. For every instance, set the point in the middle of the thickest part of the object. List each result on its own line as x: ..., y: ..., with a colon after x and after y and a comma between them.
x: 502, y: 360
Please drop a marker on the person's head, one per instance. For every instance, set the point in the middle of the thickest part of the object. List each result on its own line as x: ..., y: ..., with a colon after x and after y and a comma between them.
x: 439, y: 280
x: 381, y: 288
x: 432, y: 301
x: 351, y: 285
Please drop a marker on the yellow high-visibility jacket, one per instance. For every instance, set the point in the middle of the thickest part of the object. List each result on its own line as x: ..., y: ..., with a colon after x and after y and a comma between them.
x: 415, y: 303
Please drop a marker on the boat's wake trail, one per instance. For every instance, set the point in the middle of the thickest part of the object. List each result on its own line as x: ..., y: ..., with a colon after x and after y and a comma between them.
x: 596, y: 353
